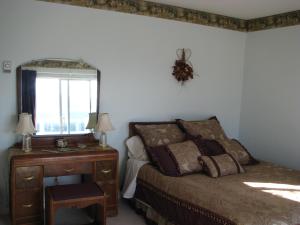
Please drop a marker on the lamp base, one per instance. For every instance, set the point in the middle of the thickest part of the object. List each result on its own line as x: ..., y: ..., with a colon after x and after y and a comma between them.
x: 104, y: 147
x: 103, y: 140
x: 27, y: 150
x: 26, y: 144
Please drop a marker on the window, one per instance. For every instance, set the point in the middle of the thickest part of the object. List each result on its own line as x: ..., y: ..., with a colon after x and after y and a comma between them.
x: 64, y: 101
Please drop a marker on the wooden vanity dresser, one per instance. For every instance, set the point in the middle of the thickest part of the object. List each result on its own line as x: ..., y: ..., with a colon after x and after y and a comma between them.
x: 27, y: 171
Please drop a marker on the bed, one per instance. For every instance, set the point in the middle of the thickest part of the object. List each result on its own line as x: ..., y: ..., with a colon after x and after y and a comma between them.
x: 266, y: 194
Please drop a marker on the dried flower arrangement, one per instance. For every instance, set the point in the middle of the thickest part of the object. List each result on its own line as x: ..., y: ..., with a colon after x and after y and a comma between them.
x: 183, y: 69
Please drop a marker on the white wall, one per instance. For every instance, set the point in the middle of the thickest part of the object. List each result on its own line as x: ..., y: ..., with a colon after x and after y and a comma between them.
x: 270, y: 124
x: 135, y: 55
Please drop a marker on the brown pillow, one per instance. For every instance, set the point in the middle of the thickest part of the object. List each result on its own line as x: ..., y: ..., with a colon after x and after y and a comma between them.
x: 185, y: 156
x: 207, y: 129
x: 238, y: 151
x: 220, y: 165
x: 160, y: 134
x: 160, y: 157
x: 208, y: 147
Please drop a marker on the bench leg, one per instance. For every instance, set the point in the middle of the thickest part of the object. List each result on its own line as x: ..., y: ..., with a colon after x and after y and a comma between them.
x: 101, y: 217
x: 50, y: 215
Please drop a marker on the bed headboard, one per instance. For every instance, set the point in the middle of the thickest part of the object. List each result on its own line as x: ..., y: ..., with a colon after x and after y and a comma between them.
x: 132, y: 130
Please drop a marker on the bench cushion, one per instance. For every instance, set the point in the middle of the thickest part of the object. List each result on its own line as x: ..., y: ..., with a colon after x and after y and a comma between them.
x: 75, y: 191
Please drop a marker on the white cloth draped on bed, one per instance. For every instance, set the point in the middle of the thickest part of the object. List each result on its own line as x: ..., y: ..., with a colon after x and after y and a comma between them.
x: 132, y: 168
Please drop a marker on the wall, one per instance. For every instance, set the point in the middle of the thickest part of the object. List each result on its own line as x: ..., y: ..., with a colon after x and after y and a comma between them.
x: 135, y: 55
x: 270, y: 124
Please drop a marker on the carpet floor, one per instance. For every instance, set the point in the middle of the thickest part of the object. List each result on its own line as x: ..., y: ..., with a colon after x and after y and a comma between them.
x: 126, y: 216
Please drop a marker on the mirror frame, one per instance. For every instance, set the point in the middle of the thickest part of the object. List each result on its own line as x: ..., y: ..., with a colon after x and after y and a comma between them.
x: 62, y: 60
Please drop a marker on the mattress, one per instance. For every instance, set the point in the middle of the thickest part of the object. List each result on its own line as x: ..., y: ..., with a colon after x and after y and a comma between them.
x: 266, y: 194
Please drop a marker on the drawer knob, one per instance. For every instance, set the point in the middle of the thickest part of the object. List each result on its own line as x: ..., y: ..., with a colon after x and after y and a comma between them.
x: 27, y: 205
x: 106, y: 171
x: 28, y: 178
x: 69, y: 170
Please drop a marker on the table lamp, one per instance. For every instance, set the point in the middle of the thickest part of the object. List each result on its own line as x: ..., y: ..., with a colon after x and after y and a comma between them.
x: 26, y: 128
x: 92, y: 122
x: 103, y: 126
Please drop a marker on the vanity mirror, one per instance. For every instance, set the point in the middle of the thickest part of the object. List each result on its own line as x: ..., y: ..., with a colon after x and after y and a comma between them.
x: 59, y: 93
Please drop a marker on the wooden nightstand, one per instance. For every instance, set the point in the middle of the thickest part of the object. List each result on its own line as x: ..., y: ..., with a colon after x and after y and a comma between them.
x: 27, y: 171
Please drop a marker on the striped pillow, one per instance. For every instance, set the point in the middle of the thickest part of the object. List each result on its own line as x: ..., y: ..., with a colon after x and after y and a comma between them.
x: 221, y: 165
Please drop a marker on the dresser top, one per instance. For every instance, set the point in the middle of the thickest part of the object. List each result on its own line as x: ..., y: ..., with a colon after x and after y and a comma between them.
x: 45, y: 155
x: 44, y: 150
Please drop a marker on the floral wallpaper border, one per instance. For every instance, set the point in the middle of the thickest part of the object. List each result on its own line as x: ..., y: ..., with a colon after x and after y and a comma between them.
x: 146, y: 8
x: 275, y: 21
x: 141, y: 7
x: 59, y: 63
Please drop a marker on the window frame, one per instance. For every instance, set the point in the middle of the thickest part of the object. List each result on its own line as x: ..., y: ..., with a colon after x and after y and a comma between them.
x: 68, y: 76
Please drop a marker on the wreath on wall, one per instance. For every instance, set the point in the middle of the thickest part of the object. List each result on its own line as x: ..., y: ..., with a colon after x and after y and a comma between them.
x: 183, y: 69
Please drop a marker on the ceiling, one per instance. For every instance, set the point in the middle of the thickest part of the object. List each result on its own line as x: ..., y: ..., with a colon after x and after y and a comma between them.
x: 243, y: 9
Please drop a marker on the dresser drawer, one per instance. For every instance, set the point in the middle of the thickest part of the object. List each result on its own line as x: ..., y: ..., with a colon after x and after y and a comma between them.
x: 68, y: 169
x: 28, y: 203
x: 29, y: 177
x: 110, y: 191
x: 106, y: 170
x: 32, y: 220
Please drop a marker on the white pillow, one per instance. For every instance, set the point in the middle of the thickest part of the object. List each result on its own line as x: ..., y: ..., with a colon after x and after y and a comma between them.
x: 136, y: 149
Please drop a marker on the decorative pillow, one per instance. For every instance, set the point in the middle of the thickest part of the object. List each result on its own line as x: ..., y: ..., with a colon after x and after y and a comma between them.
x: 238, y: 151
x: 160, y: 134
x: 160, y: 157
x: 207, y: 129
x: 136, y: 149
x: 208, y: 147
x: 185, y: 156
x: 220, y: 165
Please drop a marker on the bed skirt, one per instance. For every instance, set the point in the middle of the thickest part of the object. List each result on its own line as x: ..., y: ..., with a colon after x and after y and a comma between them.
x: 164, y: 209
x: 151, y: 216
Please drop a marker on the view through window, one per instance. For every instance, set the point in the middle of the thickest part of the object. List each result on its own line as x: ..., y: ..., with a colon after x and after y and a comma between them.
x: 64, y: 101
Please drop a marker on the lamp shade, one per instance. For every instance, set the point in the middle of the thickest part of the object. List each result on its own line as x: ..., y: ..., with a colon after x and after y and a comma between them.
x: 25, y: 125
x: 92, y: 121
x: 104, y: 123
